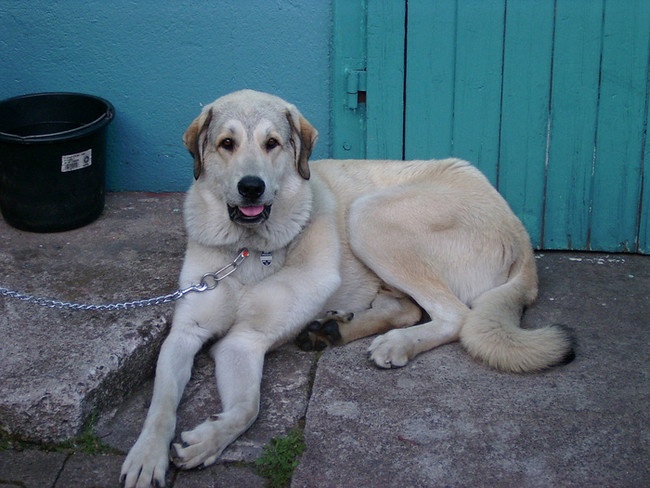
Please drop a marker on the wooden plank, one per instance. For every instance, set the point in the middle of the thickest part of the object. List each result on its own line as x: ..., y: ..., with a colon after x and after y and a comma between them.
x: 385, y: 79
x: 644, y: 209
x: 574, y: 104
x: 525, y: 110
x: 349, y: 53
x: 621, y: 119
x: 430, y: 61
x: 478, y: 77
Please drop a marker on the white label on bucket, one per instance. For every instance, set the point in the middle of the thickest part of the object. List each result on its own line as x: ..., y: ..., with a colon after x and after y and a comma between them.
x: 72, y: 162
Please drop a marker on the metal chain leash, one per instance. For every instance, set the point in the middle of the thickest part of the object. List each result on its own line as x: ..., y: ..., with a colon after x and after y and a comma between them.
x: 209, y: 281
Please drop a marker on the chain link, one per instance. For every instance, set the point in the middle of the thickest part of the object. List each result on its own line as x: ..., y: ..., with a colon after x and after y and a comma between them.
x: 209, y: 281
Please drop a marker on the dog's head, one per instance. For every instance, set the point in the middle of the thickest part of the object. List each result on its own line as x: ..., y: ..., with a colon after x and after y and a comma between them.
x: 245, y: 144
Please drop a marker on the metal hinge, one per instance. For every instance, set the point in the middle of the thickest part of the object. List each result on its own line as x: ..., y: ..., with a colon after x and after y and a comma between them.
x: 355, y: 88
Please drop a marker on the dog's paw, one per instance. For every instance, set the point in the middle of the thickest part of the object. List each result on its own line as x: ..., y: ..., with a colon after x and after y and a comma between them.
x: 201, y: 446
x: 145, y: 465
x: 390, y: 350
x: 322, y: 333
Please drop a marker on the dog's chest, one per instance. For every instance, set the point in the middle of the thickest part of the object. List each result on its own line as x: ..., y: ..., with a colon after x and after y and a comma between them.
x: 260, y: 265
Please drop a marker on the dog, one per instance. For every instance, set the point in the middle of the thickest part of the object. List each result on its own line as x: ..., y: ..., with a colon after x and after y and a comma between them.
x: 421, y: 252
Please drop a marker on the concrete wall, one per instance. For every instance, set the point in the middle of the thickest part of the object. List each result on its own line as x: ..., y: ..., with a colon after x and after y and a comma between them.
x: 159, y: 62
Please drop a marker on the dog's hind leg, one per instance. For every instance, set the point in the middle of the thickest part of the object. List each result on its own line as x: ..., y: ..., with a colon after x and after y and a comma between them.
x: 389, y: 310
x: 399, y: 251
x: 396, y: 347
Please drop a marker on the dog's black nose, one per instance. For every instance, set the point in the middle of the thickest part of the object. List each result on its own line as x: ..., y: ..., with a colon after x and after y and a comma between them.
x: 251, y: 187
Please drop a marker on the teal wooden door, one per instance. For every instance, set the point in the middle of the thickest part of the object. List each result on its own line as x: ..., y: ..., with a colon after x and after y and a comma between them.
x: 549, y: 98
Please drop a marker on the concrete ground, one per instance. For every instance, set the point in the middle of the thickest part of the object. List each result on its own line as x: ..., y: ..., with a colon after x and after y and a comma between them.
x: 443, y: 420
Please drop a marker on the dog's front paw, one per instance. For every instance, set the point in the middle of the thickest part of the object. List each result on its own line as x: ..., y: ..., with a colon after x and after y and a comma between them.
x: 146, y: 464
x: 390, y: 350
x: 320, y: 334
x: 201, y: 446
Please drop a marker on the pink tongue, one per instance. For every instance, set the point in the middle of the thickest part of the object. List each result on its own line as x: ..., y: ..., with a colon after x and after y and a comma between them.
x: 251, y: 211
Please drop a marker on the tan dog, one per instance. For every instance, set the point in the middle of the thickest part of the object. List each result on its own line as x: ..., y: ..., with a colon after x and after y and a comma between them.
x: 378, y: 241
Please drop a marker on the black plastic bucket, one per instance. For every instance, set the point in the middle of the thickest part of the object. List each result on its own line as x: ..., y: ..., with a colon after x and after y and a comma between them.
x: 53, y: 160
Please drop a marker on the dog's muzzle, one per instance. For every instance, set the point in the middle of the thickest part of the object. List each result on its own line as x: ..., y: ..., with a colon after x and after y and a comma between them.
x: 251, y: 188
x: 249, y: 215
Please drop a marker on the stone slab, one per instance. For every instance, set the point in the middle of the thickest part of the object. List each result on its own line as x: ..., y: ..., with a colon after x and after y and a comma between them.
x: 447, y: 420
x: 285, y: 393
x: 90, y: 471
x: 220, y: 476
x: 60, y: 366
x: 30, y: 469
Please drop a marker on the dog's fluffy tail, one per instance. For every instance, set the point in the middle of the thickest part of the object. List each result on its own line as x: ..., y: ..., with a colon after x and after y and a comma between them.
x: 492, y: 333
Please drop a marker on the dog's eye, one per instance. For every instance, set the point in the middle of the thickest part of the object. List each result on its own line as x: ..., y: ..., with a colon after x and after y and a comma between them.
x: 271, y: 143
x: 228, y: 144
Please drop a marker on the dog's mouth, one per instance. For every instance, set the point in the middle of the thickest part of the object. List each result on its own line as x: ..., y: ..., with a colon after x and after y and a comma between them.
x: 249, y: 215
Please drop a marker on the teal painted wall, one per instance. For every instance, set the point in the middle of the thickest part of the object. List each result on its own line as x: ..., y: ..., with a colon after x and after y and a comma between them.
x: 158, y: 62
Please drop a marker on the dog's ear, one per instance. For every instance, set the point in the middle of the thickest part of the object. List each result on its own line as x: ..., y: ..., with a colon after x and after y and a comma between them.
x: 302, y: 130
x: 194, y: 139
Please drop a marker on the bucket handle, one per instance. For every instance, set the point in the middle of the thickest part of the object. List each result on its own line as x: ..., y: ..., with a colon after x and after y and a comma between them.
x: 27, y: 138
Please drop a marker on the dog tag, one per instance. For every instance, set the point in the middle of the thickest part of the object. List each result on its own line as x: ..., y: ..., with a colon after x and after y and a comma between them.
x: 266, y: 258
